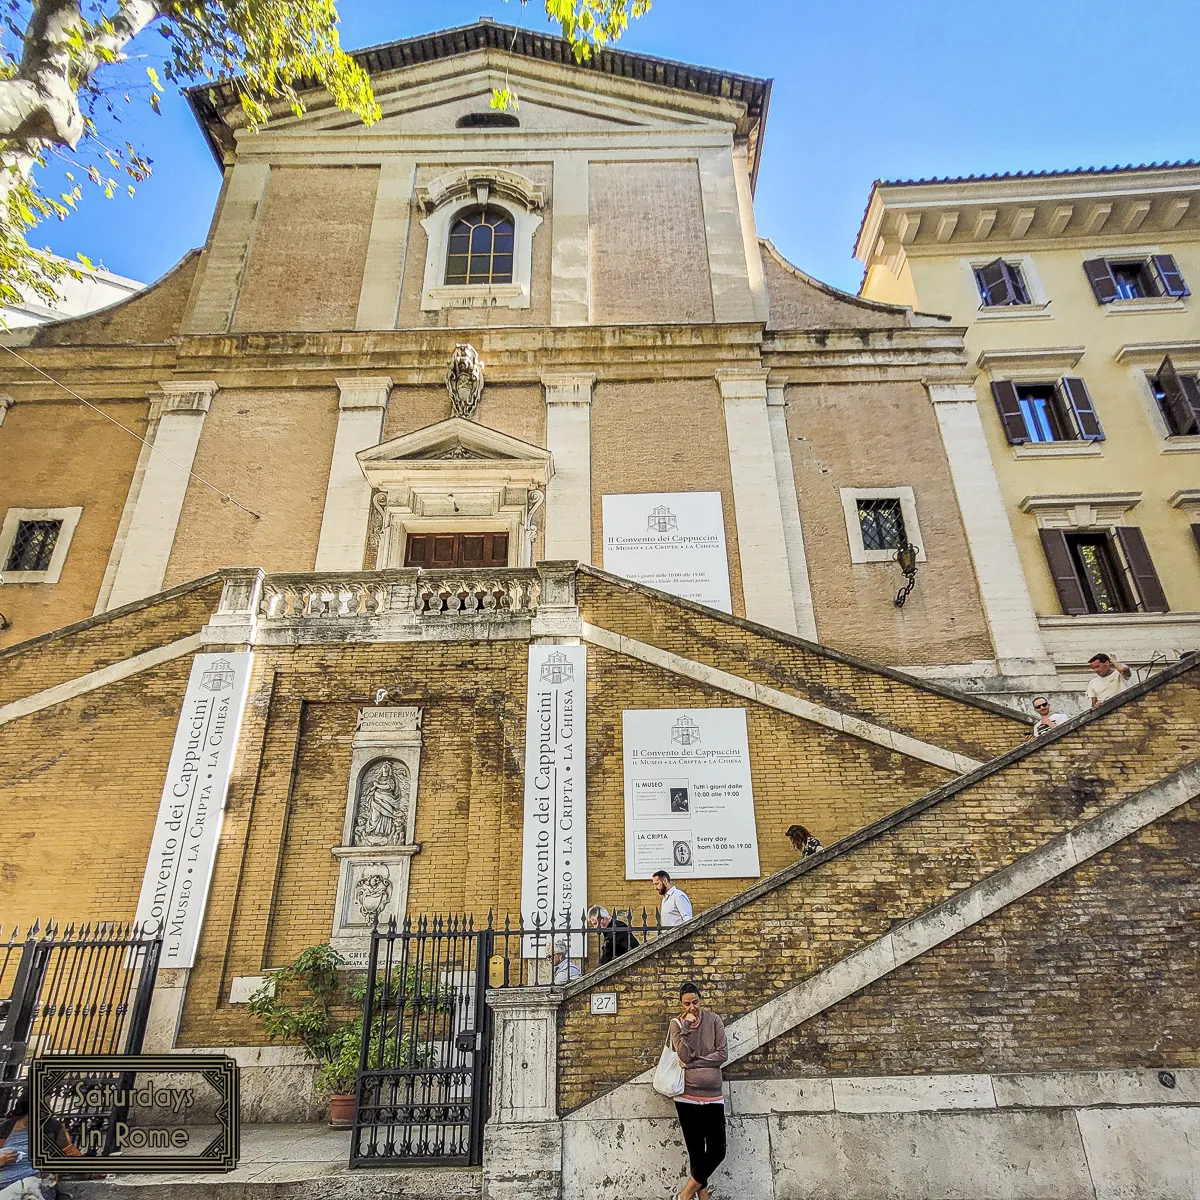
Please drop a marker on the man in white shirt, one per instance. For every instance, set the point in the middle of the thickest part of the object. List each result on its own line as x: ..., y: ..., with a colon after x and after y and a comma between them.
x: 1046, y: 720
x: 676, y: 907
x: 1111, y: 679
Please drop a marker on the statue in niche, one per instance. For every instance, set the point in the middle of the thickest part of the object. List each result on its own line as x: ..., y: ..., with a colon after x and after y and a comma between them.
x: 381, y: 816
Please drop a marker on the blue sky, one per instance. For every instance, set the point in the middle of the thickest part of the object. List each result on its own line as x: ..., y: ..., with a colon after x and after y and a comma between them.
x: 863, y: 89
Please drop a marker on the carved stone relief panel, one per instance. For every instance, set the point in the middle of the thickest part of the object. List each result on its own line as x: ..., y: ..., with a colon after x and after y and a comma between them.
x: 377, y: 836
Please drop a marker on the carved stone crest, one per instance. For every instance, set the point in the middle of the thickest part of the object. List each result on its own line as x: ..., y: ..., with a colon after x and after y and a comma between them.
x: 381, y: 817
x: 372, y: 893
x: 464, y: 381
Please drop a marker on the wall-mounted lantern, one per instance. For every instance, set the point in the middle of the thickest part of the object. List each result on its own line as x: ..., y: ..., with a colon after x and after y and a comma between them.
x: 906, y: 559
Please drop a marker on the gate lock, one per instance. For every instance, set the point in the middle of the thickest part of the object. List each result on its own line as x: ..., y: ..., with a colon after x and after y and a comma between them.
x: 466, y: 1041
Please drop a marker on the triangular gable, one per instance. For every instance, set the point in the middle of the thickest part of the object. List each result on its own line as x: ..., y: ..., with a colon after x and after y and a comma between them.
x: 454, y: 440
x: 433, y: 98
x: 673, y: 87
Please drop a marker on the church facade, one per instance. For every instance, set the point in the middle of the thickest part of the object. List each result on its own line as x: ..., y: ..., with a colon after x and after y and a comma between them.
x: 512, y: 521
x: 630, y: 335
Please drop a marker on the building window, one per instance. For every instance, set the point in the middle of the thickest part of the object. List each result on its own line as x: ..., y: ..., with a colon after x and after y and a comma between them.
x: 479, y: 226
x: 1144, y: 278
x: 879, y: 521
x: 1047, y: 412
x: 480, y: 248
x: 1001, y: 283
x: 1103, y: 570
x: 34, y: 543
x: 33, y: 546
x: 1178, y: 398
x: 882, y: 524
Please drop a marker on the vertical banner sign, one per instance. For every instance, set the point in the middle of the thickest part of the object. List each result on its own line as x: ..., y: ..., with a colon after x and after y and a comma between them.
x: 554, y: 852
x: 179, y: 869
x: 673, y: 541
x: 689, y: 803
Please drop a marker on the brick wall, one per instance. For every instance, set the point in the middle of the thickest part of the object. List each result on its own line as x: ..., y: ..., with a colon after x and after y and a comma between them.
x: 784, y: 930
x: 306, y: 260
x: 797, y: 302
x: 58, y: 454
x: 271, y: 449
x: 649, y: 255
x: 81, y: 787
x: 879, y: 435
x: 518, y: 410
x: 789, y: 665
x: 1097, y: 967
x: 154, y: 315
x: 666, y: 435
x: 100, y: 641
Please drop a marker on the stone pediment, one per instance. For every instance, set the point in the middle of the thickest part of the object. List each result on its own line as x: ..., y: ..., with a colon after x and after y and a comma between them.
x: 442, y: 99
x: 455, y: 440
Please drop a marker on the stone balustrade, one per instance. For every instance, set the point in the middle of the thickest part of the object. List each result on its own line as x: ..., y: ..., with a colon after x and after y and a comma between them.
x: 412, y: 603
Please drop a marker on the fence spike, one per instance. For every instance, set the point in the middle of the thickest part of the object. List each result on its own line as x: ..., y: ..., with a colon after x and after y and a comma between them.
x: 490, y: 916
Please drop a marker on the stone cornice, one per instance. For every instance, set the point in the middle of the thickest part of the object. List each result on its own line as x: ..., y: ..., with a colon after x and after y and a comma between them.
x: 1031, y: 212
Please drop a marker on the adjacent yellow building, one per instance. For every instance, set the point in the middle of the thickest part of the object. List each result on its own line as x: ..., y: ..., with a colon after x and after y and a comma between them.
x: 1076, y: 292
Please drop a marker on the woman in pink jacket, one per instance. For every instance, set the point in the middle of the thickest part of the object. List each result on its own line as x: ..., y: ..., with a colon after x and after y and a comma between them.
x: 698, y: 1037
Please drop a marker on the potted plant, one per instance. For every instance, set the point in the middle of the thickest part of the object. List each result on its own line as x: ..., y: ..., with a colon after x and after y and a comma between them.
x: 300, y: 1002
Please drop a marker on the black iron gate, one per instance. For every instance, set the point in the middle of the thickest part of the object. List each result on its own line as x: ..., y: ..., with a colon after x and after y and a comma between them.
x: 424, y: 1067
x: 78, y: 990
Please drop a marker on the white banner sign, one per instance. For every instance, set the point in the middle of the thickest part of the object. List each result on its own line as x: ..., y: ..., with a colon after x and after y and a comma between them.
x: 179, y: 869
x: 689, y: 803
x: 673, y: 541
x: 554, y: 860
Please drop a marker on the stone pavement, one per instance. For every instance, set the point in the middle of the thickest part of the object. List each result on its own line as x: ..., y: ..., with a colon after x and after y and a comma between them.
x: 291, y: 1162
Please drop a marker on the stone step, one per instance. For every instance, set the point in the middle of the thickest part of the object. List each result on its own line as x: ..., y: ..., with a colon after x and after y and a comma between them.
x: 292, y: 1181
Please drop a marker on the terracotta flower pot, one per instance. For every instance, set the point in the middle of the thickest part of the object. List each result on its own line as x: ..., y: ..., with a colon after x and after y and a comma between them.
x: 341, y: 1110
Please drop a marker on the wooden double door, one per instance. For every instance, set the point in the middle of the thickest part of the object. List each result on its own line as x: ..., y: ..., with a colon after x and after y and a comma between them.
x: 445, y: 551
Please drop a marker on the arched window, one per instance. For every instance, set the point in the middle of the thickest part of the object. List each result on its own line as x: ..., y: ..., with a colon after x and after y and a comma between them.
x: 480, y: 249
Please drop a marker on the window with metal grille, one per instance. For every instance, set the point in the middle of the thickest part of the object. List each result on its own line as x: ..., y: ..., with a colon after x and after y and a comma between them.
x: 882, y: 524
x: 33, y: 546
x: 480, y: 249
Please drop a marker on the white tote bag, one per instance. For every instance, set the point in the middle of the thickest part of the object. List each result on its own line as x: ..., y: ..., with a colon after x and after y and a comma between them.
x: 668, y: 1075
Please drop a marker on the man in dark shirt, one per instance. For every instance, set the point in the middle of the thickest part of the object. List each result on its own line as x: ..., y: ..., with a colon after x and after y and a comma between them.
x: 616, y: 938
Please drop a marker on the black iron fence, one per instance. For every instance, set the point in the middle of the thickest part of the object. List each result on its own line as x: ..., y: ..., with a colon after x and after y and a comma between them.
x: 423, y: 1078
x: 424, y: 1066
x: 562, y: 947
x: 73, y: 990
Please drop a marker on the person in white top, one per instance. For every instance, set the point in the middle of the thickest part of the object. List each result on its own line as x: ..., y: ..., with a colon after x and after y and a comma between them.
x: 676, y: 907
x: 564, y: 969
x: 1046, y: 720
x: 1111, y: 679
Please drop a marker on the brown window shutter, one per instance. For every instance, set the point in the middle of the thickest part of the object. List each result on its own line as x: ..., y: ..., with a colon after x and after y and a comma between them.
x: 1062, y: 569
x: 1101, y: 279
x: 414, y: 549
x: 1145, y: 577
x: 1182, y: 396
x: 998, y: 280
x: 1196, y: 535
x: 1169, y: 275
x: 1013, y: 419
x: 1077, y: 400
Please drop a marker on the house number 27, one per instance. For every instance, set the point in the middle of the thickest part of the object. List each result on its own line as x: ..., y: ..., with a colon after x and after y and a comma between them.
x: 604, y: 1004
